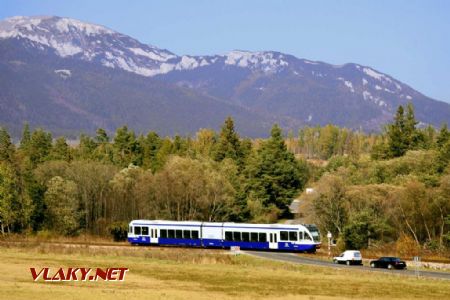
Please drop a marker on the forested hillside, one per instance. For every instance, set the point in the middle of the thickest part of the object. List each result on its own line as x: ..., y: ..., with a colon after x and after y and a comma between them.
x: 368, y: 189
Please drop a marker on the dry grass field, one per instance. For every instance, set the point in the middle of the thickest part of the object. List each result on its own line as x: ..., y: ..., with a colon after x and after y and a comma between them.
x: 174, y: 273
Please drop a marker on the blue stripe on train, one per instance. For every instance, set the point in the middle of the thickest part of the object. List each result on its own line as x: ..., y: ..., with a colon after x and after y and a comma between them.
x: 297, y: 247
x: 214, y: 243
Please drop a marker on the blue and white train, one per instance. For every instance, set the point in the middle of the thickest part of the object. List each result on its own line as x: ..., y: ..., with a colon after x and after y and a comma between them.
x: 302, y: 238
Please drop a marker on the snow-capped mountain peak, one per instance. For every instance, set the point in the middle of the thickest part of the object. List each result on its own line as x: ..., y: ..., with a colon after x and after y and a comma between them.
x: 265, y: 60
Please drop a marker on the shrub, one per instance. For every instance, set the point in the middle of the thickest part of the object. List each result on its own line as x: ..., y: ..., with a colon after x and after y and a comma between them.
x: 406, y: 246
x: 119, y: 231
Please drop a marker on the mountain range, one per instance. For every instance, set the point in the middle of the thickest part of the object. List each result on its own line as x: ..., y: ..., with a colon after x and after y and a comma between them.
x: 69, y: 76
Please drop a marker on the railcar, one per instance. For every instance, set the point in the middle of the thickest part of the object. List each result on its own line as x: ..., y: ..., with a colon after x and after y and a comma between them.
x: 283, y: 237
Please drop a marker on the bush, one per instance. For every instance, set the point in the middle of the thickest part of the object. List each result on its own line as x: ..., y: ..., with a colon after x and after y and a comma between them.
x: 406, y: 246
x: 119, y: 231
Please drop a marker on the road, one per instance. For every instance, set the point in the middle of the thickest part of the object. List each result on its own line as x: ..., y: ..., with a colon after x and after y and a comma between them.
x: 297, y: 259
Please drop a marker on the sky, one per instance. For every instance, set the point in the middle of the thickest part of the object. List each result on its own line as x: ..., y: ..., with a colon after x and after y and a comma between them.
x: 409, y: 40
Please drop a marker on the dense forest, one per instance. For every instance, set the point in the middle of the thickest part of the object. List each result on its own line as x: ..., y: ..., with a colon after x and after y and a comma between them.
x: 368, y: 188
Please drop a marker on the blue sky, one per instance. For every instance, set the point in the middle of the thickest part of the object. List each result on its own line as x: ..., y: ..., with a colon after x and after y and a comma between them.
x: 409, y: 40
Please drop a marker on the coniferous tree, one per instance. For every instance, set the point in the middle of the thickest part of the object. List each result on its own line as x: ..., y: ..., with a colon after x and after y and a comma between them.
x: 101, y: 137
x: 229, y: 145
x: 397, y: 135
x: 7, y: 149
x: 274, y: 176
x: 40, y: 146
x: 443, y: 136
x: 26, y: 137
x: 61, y: 150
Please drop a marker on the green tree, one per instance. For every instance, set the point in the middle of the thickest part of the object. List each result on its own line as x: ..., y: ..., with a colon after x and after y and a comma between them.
x: 397, y: 135
x: 60, y: 150
x: 15, y: 206
x: 8, y: 195
x: 126, y: 146
x: 101, y: 137
x: 86, y: 147
x: 62, y: 206
x: 443, y: 136
x: 7, y: 149
x: 274, y: 176
x: 164, y: 151
x: 26, y: 137
x: 229, y: 145
x: 40, y: 146
x: 357, y: 232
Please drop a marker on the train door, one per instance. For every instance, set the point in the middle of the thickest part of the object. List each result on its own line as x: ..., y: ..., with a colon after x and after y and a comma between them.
x: 273, y: 240
x: 153, y: 235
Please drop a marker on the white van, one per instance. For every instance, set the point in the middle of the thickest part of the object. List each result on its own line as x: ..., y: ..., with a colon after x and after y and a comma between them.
x: 349, y: 257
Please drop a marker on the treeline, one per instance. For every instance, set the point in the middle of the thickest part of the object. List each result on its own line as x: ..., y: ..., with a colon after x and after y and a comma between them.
x: 402, y: 191
x: 330, y: 140
x: 102, y: 183
x: 368, y: 188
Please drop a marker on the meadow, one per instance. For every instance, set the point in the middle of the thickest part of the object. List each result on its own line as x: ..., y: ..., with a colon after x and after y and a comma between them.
x: 176, y: 273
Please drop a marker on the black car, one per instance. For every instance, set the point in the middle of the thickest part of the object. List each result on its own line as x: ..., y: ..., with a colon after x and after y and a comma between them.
x: 388, y: 262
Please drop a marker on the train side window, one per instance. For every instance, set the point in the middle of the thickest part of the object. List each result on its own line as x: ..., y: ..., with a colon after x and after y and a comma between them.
x: 228, y: 236
x: 194, y: 234
x: 284, y: 236
x: 144, y: 230
x: 271, y: 237
x: 253, y: 237
x: 245, y: 236
x: 171, y: 233
x: 163, y: 233
x: 137, y: 230
x: 156, y: 233
x: 236, y: 236
x: 275, y: 237
x: 186, y: 234
x: 179, y: 234
x: 293, y: 236
x: 306, y: 236
x: 300, y: 235
x: 262, y: 237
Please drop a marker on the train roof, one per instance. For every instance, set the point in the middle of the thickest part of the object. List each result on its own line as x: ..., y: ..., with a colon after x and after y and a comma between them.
x: 163, y: 222
x: 224, y: 224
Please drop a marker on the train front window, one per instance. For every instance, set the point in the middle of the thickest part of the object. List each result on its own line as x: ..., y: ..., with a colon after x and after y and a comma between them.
x: 293, y: 236
x: 137, y: 230
x: 314, y: 232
